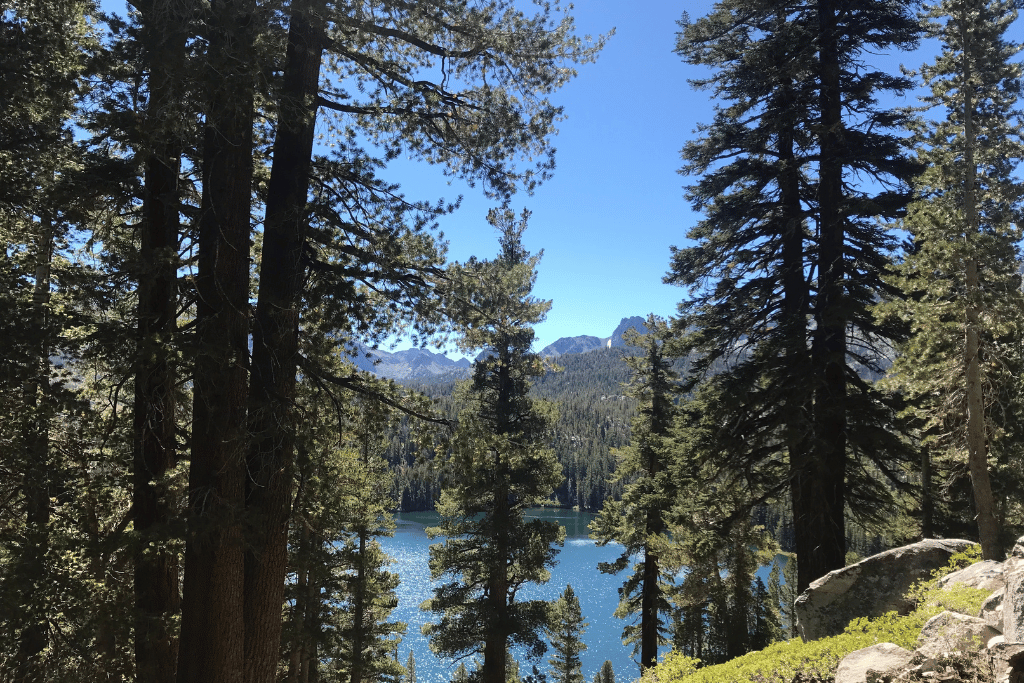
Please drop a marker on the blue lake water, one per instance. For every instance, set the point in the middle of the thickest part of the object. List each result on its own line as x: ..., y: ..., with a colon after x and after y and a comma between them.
x: 577, y: 564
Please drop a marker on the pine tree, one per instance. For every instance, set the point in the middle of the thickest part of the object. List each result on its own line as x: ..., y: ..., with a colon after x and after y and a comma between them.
x: 165, y: 28
x: 605, y: 674
x: 500, y: 465
x: 44, y: 47
x: 333, y: 218
x: 779, y: 158
x: 961, y: 275
x: 410, y: 668
x: 343, y: 595
x: 565, y: 633
x: 638, y: 520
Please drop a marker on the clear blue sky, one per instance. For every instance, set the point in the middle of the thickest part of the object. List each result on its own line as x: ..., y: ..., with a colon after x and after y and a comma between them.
x: 606, y: 219
x: 615, y: 205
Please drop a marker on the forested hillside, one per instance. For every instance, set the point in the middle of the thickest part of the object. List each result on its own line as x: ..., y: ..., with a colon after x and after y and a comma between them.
x: 593, y: 418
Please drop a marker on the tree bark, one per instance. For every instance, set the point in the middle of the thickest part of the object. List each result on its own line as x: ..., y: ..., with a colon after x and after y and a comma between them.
x: 977, y: 446
x: 275, y: 346
x: 157, y: 597
x: 818, y: 505
x: 651, y: 592
x: 212, y: 636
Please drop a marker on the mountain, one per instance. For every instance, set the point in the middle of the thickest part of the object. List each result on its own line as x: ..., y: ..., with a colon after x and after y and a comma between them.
x: 585, y: 343
x: 422, y: 364
x: 410, y: 364
x: 580, y: 344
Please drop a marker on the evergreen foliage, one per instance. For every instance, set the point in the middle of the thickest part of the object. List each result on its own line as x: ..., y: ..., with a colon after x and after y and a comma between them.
x: 565, y: 633
x: 819, y: 659
x: 606, y: 674
x: 769, y: 294
x: 960, y: 277
x: 499, y: 466
x: 638, y: 521
x: 338, y: 624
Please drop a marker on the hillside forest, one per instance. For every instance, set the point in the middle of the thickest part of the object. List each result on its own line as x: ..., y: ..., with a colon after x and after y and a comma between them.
x: 202, y: 234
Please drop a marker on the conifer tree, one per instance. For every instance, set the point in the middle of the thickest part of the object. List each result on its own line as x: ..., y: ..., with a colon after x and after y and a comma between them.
x: 769, y: 296
x: 638, y: 521
x: 500, y: 465
x: 343, y: 594
x: 419, y: 81
x: 606, y: 674
x: 961, y: 275
x: 410, y: 668
x: 44, y: 47
x: 565, y: 634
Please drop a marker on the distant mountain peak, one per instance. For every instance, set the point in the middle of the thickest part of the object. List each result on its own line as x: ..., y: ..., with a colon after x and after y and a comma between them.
x: 585, y: 343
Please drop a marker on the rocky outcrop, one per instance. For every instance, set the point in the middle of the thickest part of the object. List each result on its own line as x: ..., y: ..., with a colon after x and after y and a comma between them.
x: 883, y: 658
x: 949, y: 632
x: 992, y: 641
x: 870, y: 588
x: 1013, y: 598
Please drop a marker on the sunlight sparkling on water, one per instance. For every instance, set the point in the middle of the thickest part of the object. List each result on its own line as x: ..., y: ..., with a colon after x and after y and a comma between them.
x: 577, y: 564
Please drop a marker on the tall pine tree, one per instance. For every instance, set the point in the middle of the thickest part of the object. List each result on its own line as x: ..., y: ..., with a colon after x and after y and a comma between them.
x: 961, y: 275
x: 500, y: 465
x: 638, y: 521
x: 790, y: 254
x: 565, y: 632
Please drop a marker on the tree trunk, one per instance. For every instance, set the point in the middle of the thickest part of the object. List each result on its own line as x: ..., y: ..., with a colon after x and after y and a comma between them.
x: 275, y: 346
x: 651, y: 592
x: 496, y: 642
x: 359, y: 600
x: 818, y: 505
x: 157, y: 598
x: 927, y: 497
x: 977, y: 446
x: 212, y: 635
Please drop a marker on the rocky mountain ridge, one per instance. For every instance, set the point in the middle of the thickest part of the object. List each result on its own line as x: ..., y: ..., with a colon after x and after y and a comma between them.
x: 424, y: 363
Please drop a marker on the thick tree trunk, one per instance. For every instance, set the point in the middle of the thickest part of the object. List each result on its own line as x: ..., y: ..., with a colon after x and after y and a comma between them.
x: 651, y: 593
x: 275, y: 347
x: 799, y: 404
x: 927, y: 497
x: 818, y: 505
x: 157, y: 597
x: 740, y: 577
x: 212, y: 635
x: 977, y: 445
x: 496, y: 642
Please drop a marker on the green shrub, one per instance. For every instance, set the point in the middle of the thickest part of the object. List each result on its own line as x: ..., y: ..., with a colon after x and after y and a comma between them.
x: 819, y: 659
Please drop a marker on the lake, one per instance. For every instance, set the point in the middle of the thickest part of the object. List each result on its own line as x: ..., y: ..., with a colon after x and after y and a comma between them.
x: 577, y: 564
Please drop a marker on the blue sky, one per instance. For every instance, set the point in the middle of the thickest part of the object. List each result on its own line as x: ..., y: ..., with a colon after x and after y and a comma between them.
x: 615, y: 205
x: 606, y: 219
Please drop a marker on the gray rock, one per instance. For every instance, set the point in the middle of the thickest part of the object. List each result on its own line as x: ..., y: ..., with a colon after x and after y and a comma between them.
x: 986, y: 575
x: 1007, y: 660
x: 992, y: 609
x: 870, y: 588
x: 950, y: 631
x: 1013, y: 603
x: 884, y: 658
